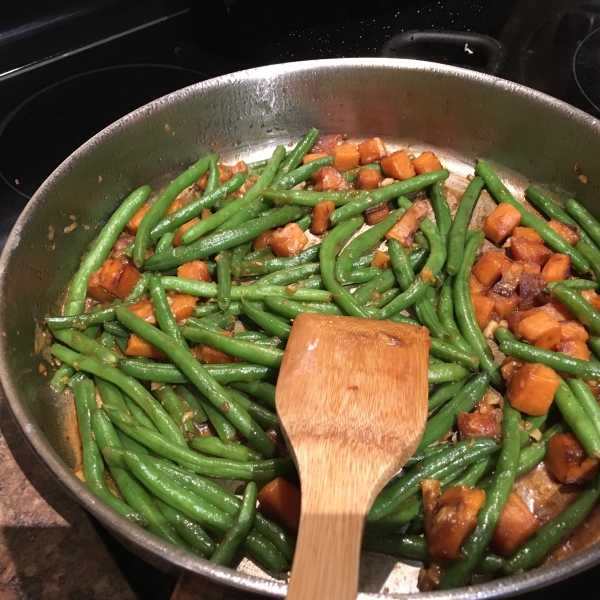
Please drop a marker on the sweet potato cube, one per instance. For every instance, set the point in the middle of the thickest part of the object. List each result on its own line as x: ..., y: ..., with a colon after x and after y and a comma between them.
x: 195, y: 269
x: 310, y: 157
x: 557, y: 268
x: 524, y: 249
x: 280, y: 500
x: 540, y: 330
x: 346, y: 156
x: 326, y: 144
x: 261, y: 241
x: 144, y: 309
x: 511, y: 277
x: 95, y: 289
x: 530, y: 287
x: 117, y: 278
x: 501, y: 222
x: 528, y: 232
x: 367, y: 179
x: 515, y: 526
x: 529, y: 268
x: 136, y: 346
x: 477, y: 288
x: 573, y: 330
x: 532, y: 388
x: 175, y: 206
x: 206, y: 212
x: 288, y: 241
x: 567, y: 461
x: 181, y: 305
x: 484, y: 308
x: 320, y: 217
x: 426, y: 163
x: 569, y: 233
x: 381, y: 260
x: 488, y: 269
x: 212, y: 356
x: 177, y: 239
x: 555, y: 308
x: 513, y: 319
x: 405, y: 229
x: 371, y: 151
x: 328, y: 178
x: 478, y: 424
x: 504, y: 305
x: 376, y: 214
x: 449, y: 518
x: 591, y: 297
x: 134, y: 223
x: 398, y: 166
x: 574, y: 348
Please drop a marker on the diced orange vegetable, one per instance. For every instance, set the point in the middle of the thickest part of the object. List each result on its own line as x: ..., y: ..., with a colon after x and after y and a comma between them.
x: 376, y: 214
x: 540, y: 330
x: 515, y: 526
x: 591, y: 297
x: 367, y: 179
x: 513, y: 319
x: 426, y: 163
x: 206, y: 212
x: 134, y: 223
x: 195, y: 269
x: 573, y: 330
x: 484, y: 308
x: 529, y: 268
x: 144, y: 309
x: 181, y: 305
x: 405, y: 229
x: 212, y: 356
x: 136, y: 346
x: 501, y: 222
x: 557, y: 268
x: 175, y: 206
x: 381, y: 260
x: 504, y: 305
x: 510, y: 366
x: 371, y: 151
x: 288, y: 241
x: 117, y: 278
x: 449, y: 518
x: 478, y: 424
x: 476, y: 287
x: 427, y: 275
x: 524, y: 249
x: 594, y: 386
x: 528, y: 232
x: 346, y: 156
x: 398, y: 166
x: 177, y: 239
x: 574, y: 348
x: 310, y: 157
x: 280, y: 500
x: 320, y: 217
x: 488, y: 269
x: 225, y: 173
x: 328, y: 178
x: 567, y: 461
x: 260, y: 242
x: 95, y: 289
x: 569, y: 233
x: 326, y: 144
x: 558, y: 310
x: 511, y: 278
x: 532, y: 388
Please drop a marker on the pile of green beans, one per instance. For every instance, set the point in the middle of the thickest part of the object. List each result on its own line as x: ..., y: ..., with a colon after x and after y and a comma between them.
x: 162, y: 428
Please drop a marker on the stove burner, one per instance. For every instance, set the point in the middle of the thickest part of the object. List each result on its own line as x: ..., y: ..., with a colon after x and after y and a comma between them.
x: 56, y: 120
x: 586, y: 67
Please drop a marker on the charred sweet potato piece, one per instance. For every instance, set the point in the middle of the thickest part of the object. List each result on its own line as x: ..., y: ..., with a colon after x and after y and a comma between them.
x: 557, y: 268
x: 528, y: 232
x: 558, y: 310
x: 567, y: 461
x: 136, y: 346
x: 513, y: 319
x: 574, y: 348
x: 378, y: 213
x: 477, y: 288
x: 515, y: 526
x: 95, y: 289
x: 288, y: 241
x: 426, y: 163
x: 320, y: 217
x: 531, y: 389
x: 120, y: 245
x: 592, y: 298
x: 195, y: 269
x: 181, y: 305
x: 484, y: 308
x: 530, y: 268
x: 488, y: 269
x: 177, y: 239
x: 326, y: 144
x: 345, y: 157
x: 372, y: 150
x: 524, y: 249
x: 569, y: 233
x: 328, y: 178
x: 314, y: 156
x: 530, y: 287
x: 381, y: 260
x: 405, y: 229
x: 280, y: 500
x: 225, y: 173
x: 175, y: 206
x: 118, y: 278
x: 260, y: 242
x: 511, y: 277
x: 134, y: 223
x: 504, y: 305
x: 449, y: 518
x: 398, y: 166
x: 501, y: 222
x: 367, y: 179
x: 281, y: 450
x: 480, y: 424
x: 539, y: 330
x: 510, y: 366
x: 573, y: 330
x: 144, y: 309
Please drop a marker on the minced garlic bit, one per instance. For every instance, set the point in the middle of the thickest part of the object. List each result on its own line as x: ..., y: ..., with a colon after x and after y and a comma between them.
x: 42, y: 370
x: 155, y: 385
x: 387, y: 181
x: 100, y: 180
x: 290, y: 289
x: 168, y: 128
x: 536, y: 435
x: 583, y: 178
x: 488, y: 332
x: 50, y: 233
x: 188, y: 415
x: 69, y: 228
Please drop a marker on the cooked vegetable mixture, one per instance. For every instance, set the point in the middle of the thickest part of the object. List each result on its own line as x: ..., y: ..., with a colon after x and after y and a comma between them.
x: 175, y: 325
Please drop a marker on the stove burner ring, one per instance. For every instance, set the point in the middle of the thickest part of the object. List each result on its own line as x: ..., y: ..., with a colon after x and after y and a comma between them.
x: 586, y: 68
x: 17, y: 125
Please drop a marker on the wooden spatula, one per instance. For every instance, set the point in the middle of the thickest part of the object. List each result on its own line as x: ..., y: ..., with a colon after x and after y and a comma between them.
x: 352, y: 401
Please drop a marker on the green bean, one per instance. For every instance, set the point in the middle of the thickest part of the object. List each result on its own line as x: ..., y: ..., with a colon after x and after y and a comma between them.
x: 495, y: 500
x: 263, y: 416
x: 256, y: 208
x: 577, y: 304
x: 237, y: 256
x: 165, y: 242
x: 291, y: 309
x: 445, y: 313
x: 385, y: 298
x: 544, y: 540
x: 290, y: 275
x: 466, y: 315
x: 224, y: 240
x: 350, y: 176
x: 260, y: 389
x: 217, y: 322
x: 301, y: 173
x: 584, y: 219
x: 206, y: 309
x: 174, y: 406
x: 127, y: 442
x: 110, y: 394
x: 533, y: 454
x: 587, y: 400
x: 61, y: 377
x: 456, y: 240
x: 428, y: 317
x: 441, y: 209
x: 443, y: 373
x: 269, y: 265
x: 225, y: 430
x: 464, y: 401
x: 116, y: 329
x: 445, y: 392
x: 200, y: 377
x: 327, y: 260
x: 82, y: 321
x: 380, y: 284
x: 140, y: 288
x: 80, y: 342
x: 294, y: 158
x: 308, y: 198
x: 531, y: 425
x: 460, y: 454
x: 75, y: 302
x: 215, y: 447
x: 143, y: 237
x: 552, y: 239
x: 370, y: 198
x: 138, y: 414
x: 224, y: 280
x: 130, y: 386
x: 271, y: 324
x: 577, y: 419
x: 194, y: 404
x: 76, y: 379
x: 162, y: 310
x: 212, y: 181
x: 573, y: 284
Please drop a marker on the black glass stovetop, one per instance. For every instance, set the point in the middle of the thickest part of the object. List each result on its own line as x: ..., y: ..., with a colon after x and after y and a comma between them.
x: 79, y: 66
